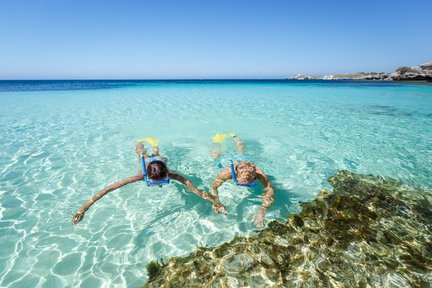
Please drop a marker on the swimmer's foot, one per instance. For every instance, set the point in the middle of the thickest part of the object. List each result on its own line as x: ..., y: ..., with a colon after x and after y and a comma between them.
x: 156, y: 151
x: 140, y: 150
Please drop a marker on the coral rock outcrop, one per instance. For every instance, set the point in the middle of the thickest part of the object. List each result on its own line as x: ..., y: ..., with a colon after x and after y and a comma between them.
x: 367, y: 232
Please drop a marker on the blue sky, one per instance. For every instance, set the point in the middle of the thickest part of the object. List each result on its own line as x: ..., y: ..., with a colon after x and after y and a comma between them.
x: 56, y: 39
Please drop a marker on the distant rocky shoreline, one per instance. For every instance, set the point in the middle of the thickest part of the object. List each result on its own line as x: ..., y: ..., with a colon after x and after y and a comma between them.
x: 422, y: 72
x: 367, y: 232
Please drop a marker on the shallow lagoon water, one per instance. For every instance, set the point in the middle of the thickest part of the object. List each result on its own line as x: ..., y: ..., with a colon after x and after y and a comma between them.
x: 64, y: 141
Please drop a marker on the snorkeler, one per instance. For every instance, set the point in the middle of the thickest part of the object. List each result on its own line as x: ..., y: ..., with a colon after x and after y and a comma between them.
x: 244, y: 173
x: 154, y: 172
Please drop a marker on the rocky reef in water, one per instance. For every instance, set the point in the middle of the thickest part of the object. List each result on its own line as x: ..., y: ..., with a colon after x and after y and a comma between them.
x: 367, y: 232
x: 422, y: 72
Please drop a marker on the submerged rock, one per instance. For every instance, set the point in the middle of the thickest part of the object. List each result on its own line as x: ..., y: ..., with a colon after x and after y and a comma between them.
x: 367, y: 232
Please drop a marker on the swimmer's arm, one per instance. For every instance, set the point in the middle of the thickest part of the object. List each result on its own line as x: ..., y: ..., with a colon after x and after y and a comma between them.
x: 267, y: 198
x: 268, y: 189
x: 80, y: 213
x: 177, y: 177
x: 220, y: 179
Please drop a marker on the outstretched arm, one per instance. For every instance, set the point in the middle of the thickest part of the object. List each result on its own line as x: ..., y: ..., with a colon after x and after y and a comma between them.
x: 80, y: 213
x: 177, y: 177
x: 267, y: 198
x: 220, y: 179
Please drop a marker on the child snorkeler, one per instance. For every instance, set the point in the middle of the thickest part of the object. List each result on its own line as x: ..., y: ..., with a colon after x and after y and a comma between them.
x: 154, y: 172
x: 243, y: 172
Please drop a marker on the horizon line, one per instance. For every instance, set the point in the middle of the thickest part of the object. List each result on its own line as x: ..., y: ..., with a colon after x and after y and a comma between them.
x: 145, y: 79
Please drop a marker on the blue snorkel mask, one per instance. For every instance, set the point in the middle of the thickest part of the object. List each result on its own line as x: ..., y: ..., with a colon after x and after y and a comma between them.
x: 144, y: 171
x: 253, y: 184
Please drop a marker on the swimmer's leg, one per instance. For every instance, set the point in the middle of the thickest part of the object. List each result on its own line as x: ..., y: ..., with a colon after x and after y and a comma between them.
x: 216, y: 151
x: 156, y: 151
x: 239, y: 144
x: 140, y: 150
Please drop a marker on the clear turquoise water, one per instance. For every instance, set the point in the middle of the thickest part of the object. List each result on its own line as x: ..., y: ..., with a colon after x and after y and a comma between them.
x: 61, y: 142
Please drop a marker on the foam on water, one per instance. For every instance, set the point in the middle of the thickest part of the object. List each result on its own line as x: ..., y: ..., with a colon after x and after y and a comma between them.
x: 59, y: 147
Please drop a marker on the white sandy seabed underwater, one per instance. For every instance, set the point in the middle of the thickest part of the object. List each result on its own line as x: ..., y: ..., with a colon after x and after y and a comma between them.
x: 59, y: 147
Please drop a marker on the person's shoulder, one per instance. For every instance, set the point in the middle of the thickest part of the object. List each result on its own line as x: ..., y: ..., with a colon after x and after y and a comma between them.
x: 259, y: 171
x: 225, y: 174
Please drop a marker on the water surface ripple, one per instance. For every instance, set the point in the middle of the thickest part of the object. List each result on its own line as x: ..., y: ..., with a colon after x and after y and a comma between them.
x: 62, y: 144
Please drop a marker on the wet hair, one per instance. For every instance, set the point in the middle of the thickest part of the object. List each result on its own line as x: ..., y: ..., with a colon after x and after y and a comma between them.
x: 157, y: 170
x: 245, y: 172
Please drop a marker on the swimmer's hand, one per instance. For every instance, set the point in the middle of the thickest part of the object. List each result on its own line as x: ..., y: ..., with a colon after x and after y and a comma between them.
x: 77, y: 218
x: 219, y: 208
x: 259, y: 218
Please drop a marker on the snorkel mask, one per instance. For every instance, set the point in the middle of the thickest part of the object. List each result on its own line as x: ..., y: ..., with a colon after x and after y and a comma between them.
x: 146, y: 179
x: 253, y: 184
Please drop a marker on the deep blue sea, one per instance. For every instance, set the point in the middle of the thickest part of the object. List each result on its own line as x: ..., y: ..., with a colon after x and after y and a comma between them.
x: 63, y: 141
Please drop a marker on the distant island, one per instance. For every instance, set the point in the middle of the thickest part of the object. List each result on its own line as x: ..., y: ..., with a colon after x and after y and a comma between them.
x: 422, y: 72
